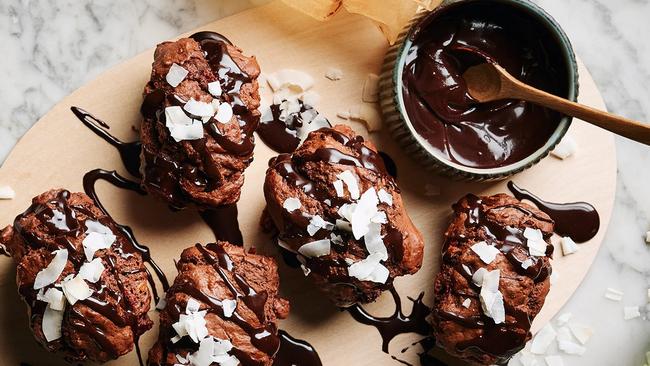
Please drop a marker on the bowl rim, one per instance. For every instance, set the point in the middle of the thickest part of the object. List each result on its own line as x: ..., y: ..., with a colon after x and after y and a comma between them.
x: 505, y: 171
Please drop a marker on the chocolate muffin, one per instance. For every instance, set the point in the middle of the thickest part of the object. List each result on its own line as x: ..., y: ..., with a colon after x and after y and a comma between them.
x: 200, y: 112
x: 341, y: 214
x: 494, y: 278
x: 222, y: 308
x: 84, y: 283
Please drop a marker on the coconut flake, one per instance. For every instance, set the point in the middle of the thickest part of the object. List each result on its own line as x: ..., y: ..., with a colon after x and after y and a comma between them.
x: 214, y: 88
x: 565, y: 148
x: 224, y: 113
x: 59, y: 221
x: 631, y: 312
x: 362, y: 213
x: 303, y: 265
x: 568, y: 245
x: 291, y: 204
x: 343, y: 225
x: 7, y: 193
x: 293, y: 80
x: 526, y: 263
x: 198, y: 108
x: 176, y: 75
x: 486, y: 252
x: 564, y: 335
x: 535, y: 242
x: 528, y: 359
x: 75, y: 289
x: 613, y: 294
x: 181, y: 126
x: 192, y: 323
x: 564, y: 319
x: 543, y: 340
x: 374, y: 242
x: 368, y: 114
x: 343, y: 114
x: 351, y: 182
x: 385, y: 197
x: 338, y: 187
x: 317, y: 248
x: 97, y: 237
x: 581, y: 332
x: 554, y: 360
x: 334, y: 73
x: 477, y: 277
x: 228, y: 306
x: 51, y: 324
x: 369, y: 269
x: 51, y: 273
x: 92, y: 271
x: 310, y: 98
x: 162, y: 303
x: 467, y: 270
x: 491, y: 298
x: 316, y: 223
x: 370, y: 92
x: 53, y: 297
x: 336, y: 239
x: 467, y: 302
x: 571, y: 348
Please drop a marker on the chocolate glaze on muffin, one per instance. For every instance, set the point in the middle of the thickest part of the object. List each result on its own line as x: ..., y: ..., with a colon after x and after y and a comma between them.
x: 339, y: 211
x: 85, y: 285
x: 494, y: 278
x: 200, y: 112
x: 224, y: 303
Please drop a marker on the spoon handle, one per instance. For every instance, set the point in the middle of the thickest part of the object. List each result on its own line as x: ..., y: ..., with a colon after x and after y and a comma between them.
x: 631, y: 129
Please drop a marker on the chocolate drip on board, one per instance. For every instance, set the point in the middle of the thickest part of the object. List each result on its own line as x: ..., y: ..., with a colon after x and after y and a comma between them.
x: 129, y: 151
x: 578, y: 220
x: 224, y: 224
x: 89, y: 181
x: 4, y: 251
x: 295, y: 352
x: 389, y: 163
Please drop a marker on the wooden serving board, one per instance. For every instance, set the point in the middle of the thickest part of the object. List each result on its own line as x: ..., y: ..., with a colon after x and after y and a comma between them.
x: 58, y: 150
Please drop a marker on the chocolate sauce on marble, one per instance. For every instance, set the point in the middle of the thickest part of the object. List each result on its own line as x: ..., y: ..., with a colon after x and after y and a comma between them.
x: 449, y: 41
x: 578, y: 220
x: 398, y: 323
x: 129, y: 151
x: 224, y: 224
x: 89, y: 181
x: 295, y: 352
x: 282, y: 132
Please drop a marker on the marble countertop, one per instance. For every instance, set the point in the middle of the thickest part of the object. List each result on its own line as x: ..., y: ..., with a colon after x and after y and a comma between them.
x: 53, y: 47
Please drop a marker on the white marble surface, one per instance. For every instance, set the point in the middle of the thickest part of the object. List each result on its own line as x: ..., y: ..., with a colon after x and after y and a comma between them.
x: 52, y: 47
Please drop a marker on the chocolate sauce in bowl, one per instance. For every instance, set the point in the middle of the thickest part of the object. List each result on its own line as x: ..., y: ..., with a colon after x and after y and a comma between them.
x: 458, y: 36
x: 578, y: 220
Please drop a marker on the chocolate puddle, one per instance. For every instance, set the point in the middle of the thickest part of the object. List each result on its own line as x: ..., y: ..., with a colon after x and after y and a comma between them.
x: 295, y: 352
x: 578, y: 220
x: 389, y: 163
x: 224, y: 224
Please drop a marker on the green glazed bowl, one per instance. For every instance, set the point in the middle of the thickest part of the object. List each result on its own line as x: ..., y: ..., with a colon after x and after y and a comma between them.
x: 401, y: 128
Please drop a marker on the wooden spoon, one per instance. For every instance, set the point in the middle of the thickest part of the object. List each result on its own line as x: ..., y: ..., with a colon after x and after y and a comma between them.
x: 487, y: 82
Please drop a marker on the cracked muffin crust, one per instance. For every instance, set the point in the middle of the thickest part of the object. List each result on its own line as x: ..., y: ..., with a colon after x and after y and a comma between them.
x: 84, y: 284
x: 224, y: 300
x: 494, y: 278
x: 200, y: 112
x: 341, y: 214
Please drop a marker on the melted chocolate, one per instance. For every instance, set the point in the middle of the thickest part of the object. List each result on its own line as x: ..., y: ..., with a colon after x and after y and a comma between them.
x: 456, y: 37
x: 3, y: 251
x: 129, y: 151
x: 389, y: 163
x: 578, y: 220
x: 295, y: 352
x: 89, y: 181
x: 398, y: 323
x: 282, y: 132
x: 162, y: 172
x: 224, y: 224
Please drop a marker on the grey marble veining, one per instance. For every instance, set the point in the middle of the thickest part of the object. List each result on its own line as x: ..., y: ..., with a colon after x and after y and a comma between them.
x: 50, y: 48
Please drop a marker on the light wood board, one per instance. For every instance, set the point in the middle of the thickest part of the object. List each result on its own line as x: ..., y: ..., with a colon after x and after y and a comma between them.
x: 58, y: 150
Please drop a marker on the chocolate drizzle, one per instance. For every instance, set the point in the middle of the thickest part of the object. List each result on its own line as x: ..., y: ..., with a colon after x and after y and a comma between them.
x: 129, y: 151
x: 89, y: 181
x: 578, y: 220
x: 224, y: 224
x: 295, y: 352
x: 398, y: 323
